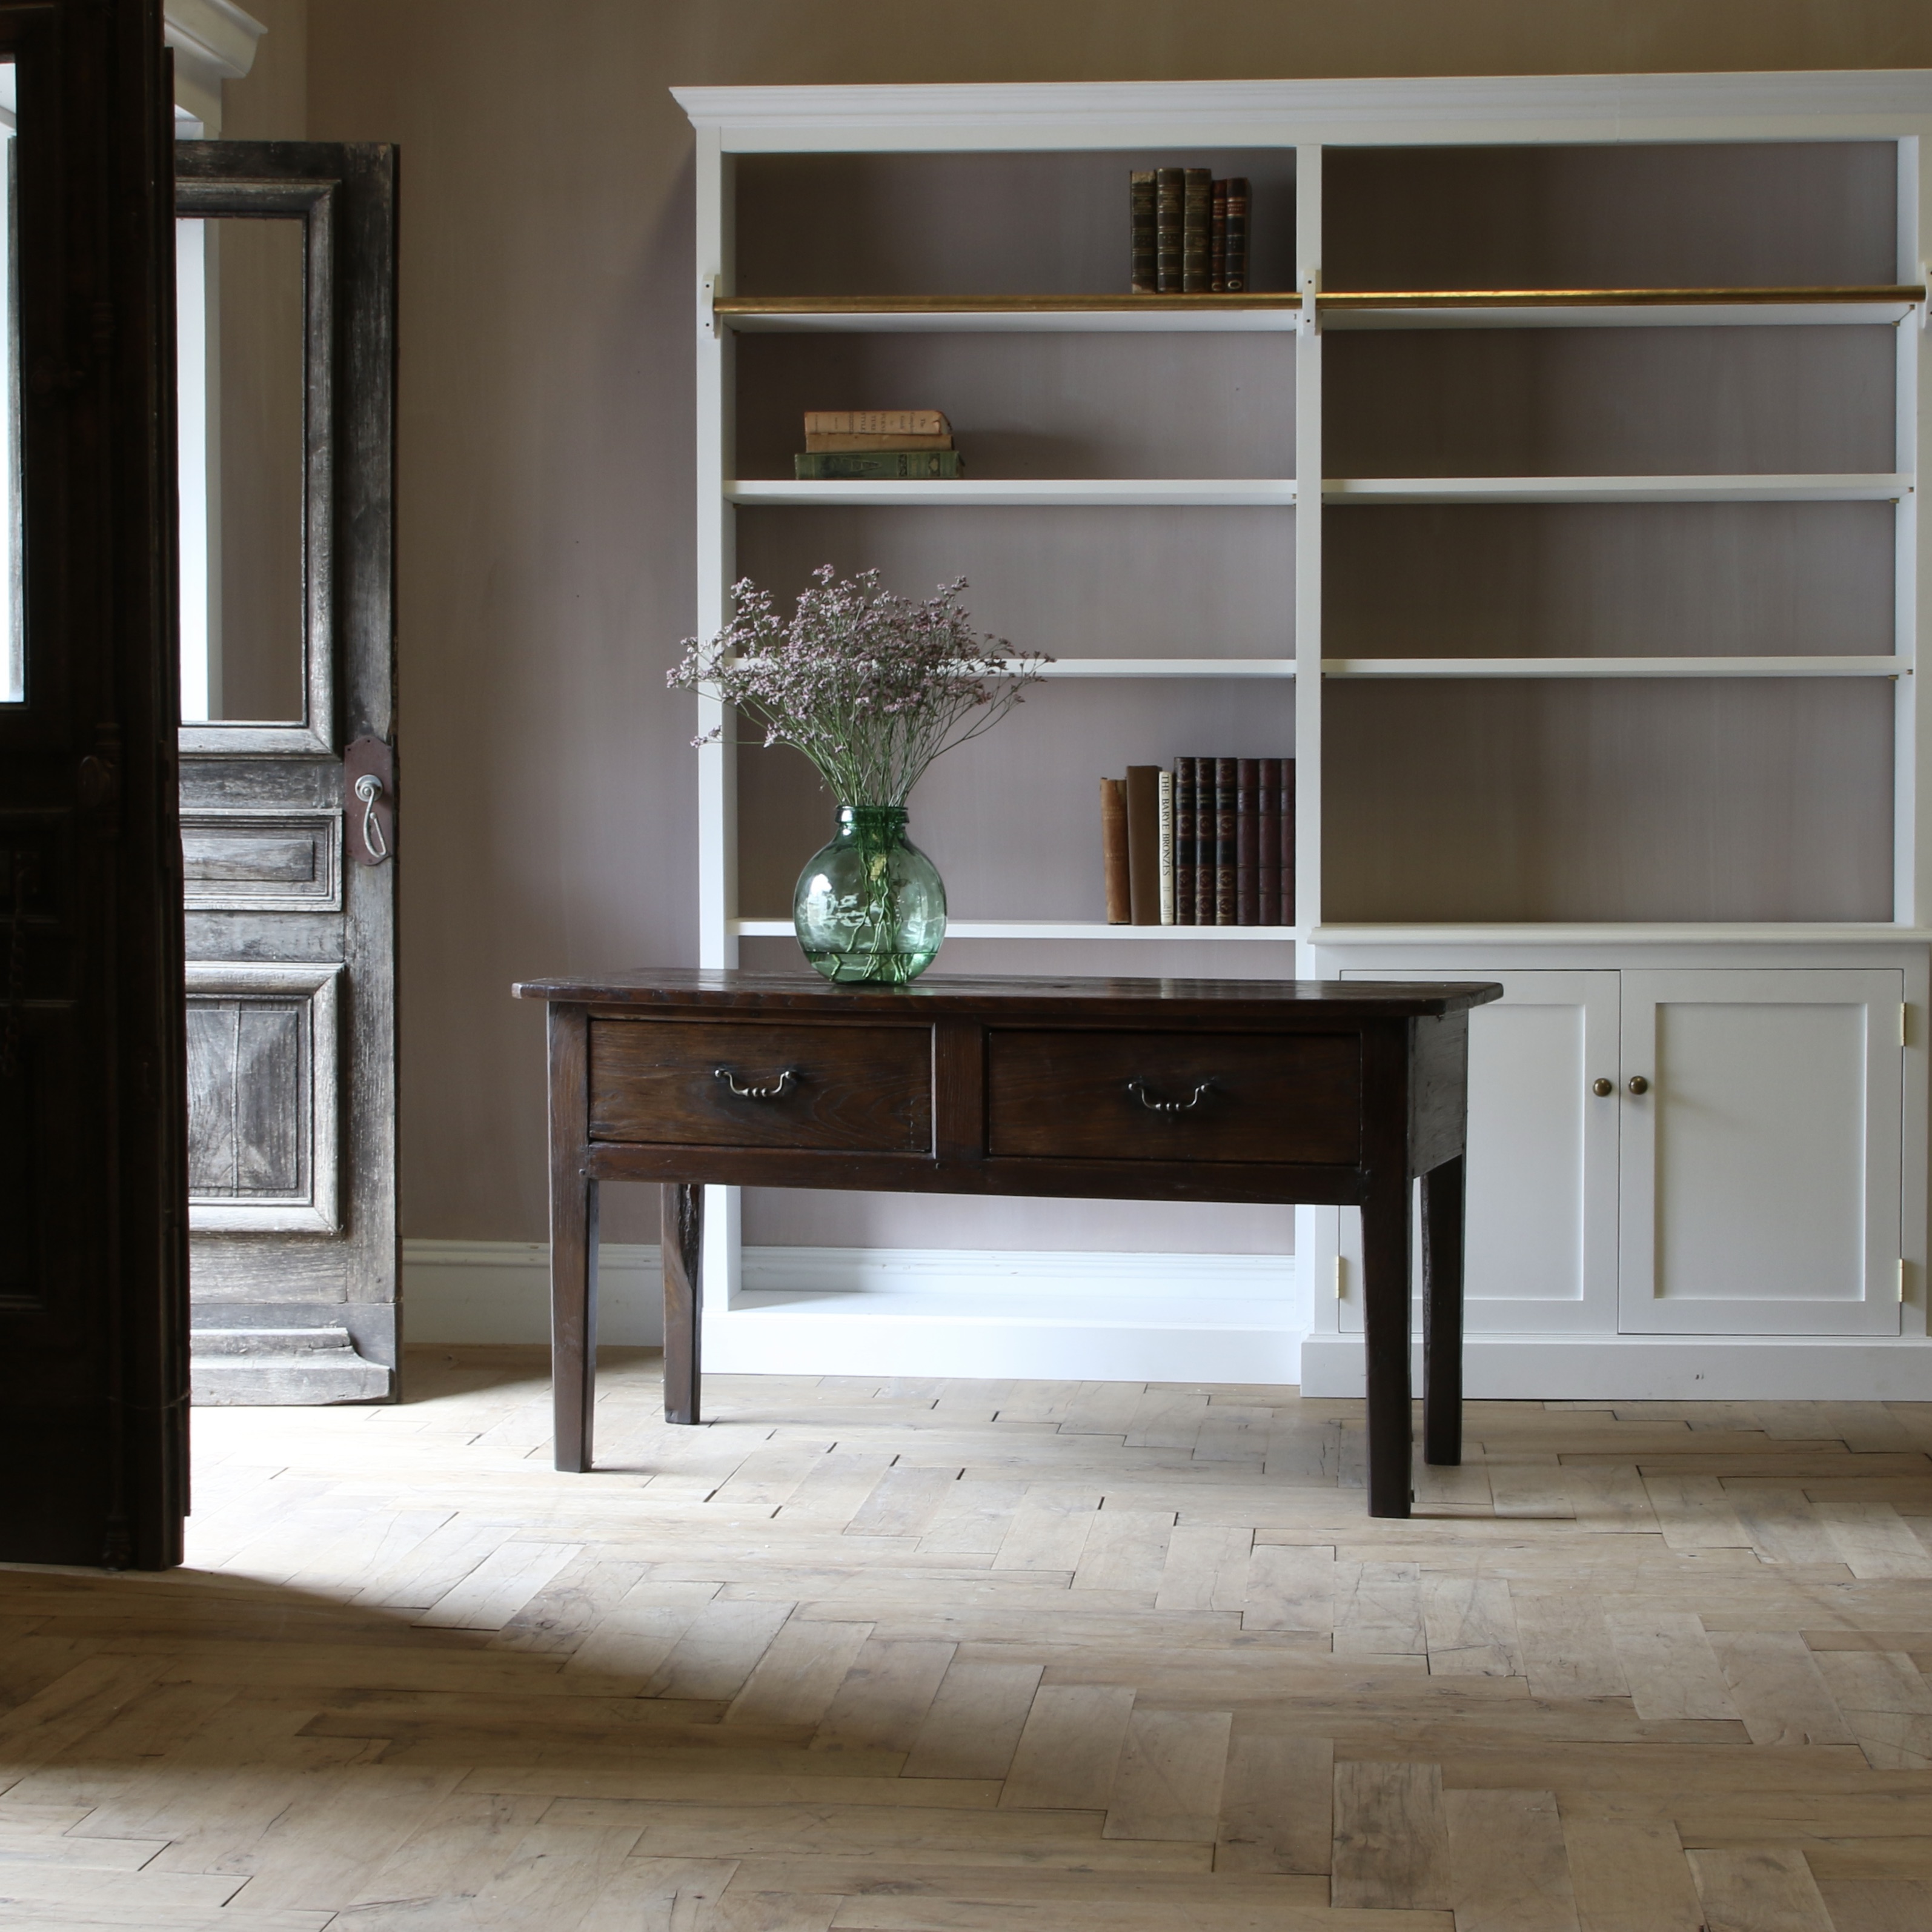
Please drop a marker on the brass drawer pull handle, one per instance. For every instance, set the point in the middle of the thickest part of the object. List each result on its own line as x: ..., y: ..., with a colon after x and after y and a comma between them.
x: 1138, y: 1089
x: 776, y: 1091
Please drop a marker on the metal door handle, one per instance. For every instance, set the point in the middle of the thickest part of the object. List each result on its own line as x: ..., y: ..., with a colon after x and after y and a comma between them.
x: 368, y: 789
x: 1603, y: 1089
x: 1138, y: 1089
x: 776, y: 1091
x: 1639, y: 1085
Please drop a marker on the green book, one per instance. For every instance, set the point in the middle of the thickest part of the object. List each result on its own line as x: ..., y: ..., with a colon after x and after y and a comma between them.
x: 870, y: 466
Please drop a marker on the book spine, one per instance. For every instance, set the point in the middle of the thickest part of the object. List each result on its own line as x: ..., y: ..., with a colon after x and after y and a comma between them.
x: 1267, y: 843
x: 1167, y: 915
x: 1196, y: 219
x: 1217, y: 239
x: 1205, y: 841
x: 1226, y: 793
x: 1167, y: 223
x: 1183, y: 842
x: 817, y: 441
x: 1140, y: 203
x: 877, y: 422
x: 866, y: 466
x: 1114, y: 850
x: 1234, y: 275
x: 1144, y: 843
x: 1247, y: 841
x: 1288, y: 908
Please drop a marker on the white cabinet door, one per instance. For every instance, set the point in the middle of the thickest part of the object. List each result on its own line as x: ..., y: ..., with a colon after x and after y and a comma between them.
x: 1541, y: 1237
x: 1760, y: 1164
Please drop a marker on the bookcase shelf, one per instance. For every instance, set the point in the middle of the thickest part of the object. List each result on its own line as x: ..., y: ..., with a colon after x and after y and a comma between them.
x: 1046, y: 493
x: 1607, y: 667
x: 1037, y: 929
x: 1345, y: 492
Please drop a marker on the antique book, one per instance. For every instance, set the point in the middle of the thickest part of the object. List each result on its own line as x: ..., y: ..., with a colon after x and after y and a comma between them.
x: 1183, y: 842
x: 1227, y: 775
x: 1142, y: 259
x: 1114, y: 850
x: 1167, y: 848
x: 1197, y: 205
x: 1234, y: 273
x: 1288, y: 842
x: 1144, y: 843
x: 1217, y: 239
x: 1205, y: 841
x: 877, y: 422
x: 859, y: 466
x: 818, y: 441
x: 1247, y: 841
x: 1167, y: 219
x: 1267, y: 844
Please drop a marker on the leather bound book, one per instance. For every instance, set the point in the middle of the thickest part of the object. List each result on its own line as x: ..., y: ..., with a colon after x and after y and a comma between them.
x: 1227, y: 779
x: 1288, y: 842
x: 868, y: 465
x: 1206, y: 846
x: 1267, y: 844
x: 1196, y: 218
x: 1140, y: 206
x: 1183, y: 842
x: 1167, y: 848
x: 1217, y: 239
x: 1234, y: 274
x: 1144, y: 843
x: 1247, y: 841
x: 1167, y: 193
x: 1114, y: 850
x: 819, y: 443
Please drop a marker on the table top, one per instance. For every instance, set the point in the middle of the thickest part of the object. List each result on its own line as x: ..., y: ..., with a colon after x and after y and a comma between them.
x: 1014, y: 995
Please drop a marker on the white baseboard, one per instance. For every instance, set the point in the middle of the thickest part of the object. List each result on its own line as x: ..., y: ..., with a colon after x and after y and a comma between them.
x: 1657, y: 1368
x: 902, y: 1311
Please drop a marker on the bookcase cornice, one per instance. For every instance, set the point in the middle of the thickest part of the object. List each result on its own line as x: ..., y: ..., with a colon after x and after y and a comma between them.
x: 1879, y: 103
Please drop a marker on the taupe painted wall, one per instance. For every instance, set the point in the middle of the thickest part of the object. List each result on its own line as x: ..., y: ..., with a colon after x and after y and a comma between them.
x: 545, y: 516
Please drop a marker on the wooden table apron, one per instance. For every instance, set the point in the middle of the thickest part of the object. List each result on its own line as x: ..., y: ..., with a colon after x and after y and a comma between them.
x: 1308, y: 1093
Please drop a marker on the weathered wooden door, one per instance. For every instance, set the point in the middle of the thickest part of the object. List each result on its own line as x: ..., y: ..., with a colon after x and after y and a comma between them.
x: 93, y: 1288
x: 285, y: 258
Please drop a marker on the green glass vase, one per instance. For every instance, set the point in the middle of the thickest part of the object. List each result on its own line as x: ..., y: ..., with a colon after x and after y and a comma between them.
x: 871, y: 905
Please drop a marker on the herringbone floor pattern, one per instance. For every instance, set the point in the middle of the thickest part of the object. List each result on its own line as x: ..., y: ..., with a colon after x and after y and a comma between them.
x: 972, y: 1657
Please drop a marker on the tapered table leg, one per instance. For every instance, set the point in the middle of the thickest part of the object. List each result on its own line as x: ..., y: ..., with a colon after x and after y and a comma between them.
x: 1385, y: 1293
x: 1442, y: 1193
x: 683, y: 1239
x: 573, y: 1245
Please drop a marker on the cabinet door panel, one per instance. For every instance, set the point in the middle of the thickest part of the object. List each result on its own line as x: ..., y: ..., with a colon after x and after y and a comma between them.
x: 1541, y: 1240
x: 1761, y: 1165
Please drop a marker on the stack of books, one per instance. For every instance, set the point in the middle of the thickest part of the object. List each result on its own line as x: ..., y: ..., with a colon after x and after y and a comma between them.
x: 1190, y: 232
x: 1209, y: 843
x: 862, y: 445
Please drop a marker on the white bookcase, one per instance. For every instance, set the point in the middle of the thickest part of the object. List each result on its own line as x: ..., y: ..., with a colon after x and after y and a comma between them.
x: 1560, y: 483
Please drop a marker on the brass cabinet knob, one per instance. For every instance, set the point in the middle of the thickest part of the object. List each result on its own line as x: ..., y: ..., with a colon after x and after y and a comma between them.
x: 1639, y: 1085
x: 1603, y: 1089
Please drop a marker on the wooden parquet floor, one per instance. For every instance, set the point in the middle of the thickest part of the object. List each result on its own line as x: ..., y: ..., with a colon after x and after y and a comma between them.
x: 989, y: 1657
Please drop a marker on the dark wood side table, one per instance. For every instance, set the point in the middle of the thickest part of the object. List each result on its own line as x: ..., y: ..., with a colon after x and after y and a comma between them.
x: 1144, y: 1089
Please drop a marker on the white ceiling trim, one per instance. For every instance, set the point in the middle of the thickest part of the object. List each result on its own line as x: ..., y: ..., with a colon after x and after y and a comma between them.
x: 213, y: 40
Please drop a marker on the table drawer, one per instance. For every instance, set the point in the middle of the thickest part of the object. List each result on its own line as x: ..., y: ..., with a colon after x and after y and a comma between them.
x: 842, y: 1089
x: 1294, y: 1097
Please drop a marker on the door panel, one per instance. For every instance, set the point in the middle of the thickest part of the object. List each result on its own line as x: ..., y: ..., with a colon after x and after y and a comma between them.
x: 1541, y: 1240
x: 288, y: 641
x: 1761, y: 1165
x: 93, y: 1183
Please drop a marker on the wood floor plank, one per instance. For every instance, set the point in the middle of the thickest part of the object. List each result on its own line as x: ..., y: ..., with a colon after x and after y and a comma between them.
x: 1469, y: 1626
x: 1630, y: 1876
x: 1766, y: 1888
x: 1872, y: 1539
x: 1168, y: 1782
x: 1886, y: 1702
x: 1378, y: 1608
x: 718, y: 1650
x: 974, y: 1725
x: 1566, y: 1644
x: 905, y: 1500
x: 1291, y: 1587
x: 1125, y: 1549
x: 1049, y: 1530
x: 1668, y: 1662
x: 884, y: 1701
x: 1509, y: 1867
x: 1391, y: 1838
x: 1207, y: 1568
x: 1070, y: 1749
x: 1277, y: 1805
x: 1777, y: 1688
x: 796, y: 1679
x: 1876, y: 1905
